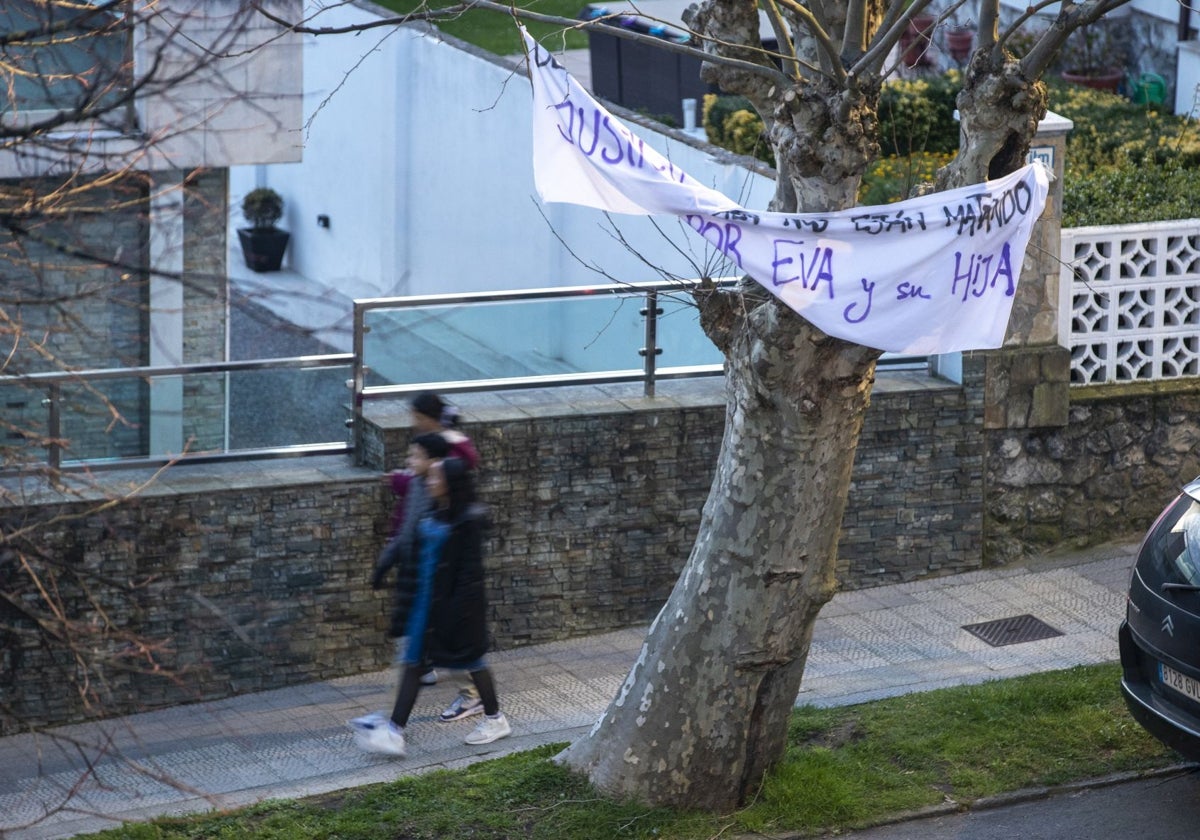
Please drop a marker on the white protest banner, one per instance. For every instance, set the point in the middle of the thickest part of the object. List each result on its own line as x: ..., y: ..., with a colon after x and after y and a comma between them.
x: 934, y: 274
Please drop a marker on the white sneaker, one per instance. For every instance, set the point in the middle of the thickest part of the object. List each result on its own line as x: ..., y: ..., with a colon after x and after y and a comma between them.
x: 385, y: 738
x: 429, y: 677
x: 490, y: 729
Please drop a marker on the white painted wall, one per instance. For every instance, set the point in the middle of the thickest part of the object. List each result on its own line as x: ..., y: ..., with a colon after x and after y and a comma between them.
x: 420, y: 152
x: 1187, y: 79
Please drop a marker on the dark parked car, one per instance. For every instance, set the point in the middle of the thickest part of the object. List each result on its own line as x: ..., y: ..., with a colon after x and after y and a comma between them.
x: 1160, y: 636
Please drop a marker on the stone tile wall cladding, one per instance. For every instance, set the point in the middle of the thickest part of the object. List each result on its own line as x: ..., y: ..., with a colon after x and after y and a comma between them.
x: 205, y: 300
x: 249, y: 589
x: 82, y: 328
x: 110, y: 329
x: 595, y: 514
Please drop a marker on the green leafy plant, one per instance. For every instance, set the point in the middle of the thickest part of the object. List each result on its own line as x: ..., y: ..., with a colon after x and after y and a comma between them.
x: 262, y: 208
x: 731, y: 123
x: 1126, y: 162
x: 892, y: 178
x: 917, y: 115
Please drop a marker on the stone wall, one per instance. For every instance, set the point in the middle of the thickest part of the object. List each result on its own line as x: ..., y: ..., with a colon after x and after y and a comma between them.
x: 916, y: 493
x: 1125, y: 451
x: 244, y: 579
x: 256, y: 573
x: 596, y: 503
x: 205, y: 300
x: 94, y: 315
x: 75, y: 310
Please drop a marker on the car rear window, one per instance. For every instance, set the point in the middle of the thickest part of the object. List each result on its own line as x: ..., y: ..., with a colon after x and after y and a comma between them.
x: 1171, y: 552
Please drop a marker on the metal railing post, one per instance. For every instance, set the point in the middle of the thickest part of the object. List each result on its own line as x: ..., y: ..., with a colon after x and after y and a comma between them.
x: 651, y: 350
x: 357, y: 382
x: 54, y: 425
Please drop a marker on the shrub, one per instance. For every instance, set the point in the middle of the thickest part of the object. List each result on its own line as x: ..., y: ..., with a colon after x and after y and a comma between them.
x: 1129, y: 195
x: 1125, y: 162
x: 917, y: 115
x: 731, y: 123
x: 262, y: 208
x: 1110, y: 130
x: 892, y: 178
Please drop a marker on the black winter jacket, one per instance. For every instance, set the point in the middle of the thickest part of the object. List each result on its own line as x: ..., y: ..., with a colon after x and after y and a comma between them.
x: 457, y: 625
x: 458, y: 615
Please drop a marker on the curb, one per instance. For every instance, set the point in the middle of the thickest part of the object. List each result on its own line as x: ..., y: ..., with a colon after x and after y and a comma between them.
x: 952, y: 807
x: 1032, y: 794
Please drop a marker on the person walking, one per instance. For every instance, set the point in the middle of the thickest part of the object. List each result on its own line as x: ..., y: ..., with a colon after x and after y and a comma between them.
x: 433, y: 415
x: 412, y: 504
x: 446, y: 622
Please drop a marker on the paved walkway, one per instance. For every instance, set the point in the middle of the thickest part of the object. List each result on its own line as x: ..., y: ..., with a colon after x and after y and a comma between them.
x: 293, y: 742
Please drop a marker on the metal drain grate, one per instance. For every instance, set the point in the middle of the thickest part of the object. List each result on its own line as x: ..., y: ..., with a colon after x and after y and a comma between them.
x: 1012, y: 631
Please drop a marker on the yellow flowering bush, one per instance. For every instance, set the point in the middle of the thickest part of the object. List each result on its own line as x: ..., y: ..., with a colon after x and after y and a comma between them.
x: 892, y: 178
x: 731, y: 123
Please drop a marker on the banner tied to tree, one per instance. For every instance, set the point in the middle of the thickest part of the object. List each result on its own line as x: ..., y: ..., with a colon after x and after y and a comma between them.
x: 935, y: 274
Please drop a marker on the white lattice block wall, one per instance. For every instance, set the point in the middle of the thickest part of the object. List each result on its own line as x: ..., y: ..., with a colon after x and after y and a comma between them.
x: 1132, y: 301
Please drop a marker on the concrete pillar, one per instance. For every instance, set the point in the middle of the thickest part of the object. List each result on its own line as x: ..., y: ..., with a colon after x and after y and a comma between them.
x: 166, y: 312
x: 1027, y: 381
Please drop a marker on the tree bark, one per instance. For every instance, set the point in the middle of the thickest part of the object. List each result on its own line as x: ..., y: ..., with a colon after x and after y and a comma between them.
x: 703, y: 713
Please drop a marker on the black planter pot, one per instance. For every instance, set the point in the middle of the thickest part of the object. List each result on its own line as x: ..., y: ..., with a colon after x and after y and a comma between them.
x: 263, y: 247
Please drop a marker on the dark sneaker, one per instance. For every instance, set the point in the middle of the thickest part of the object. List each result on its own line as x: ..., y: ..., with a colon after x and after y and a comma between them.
x: 462, y: 707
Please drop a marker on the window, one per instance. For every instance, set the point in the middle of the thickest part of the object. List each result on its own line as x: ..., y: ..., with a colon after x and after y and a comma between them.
x: 64, y: 61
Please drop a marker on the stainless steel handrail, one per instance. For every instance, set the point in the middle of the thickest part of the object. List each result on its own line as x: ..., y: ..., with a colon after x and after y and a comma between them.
x: 647, y: 375
x: 149, y: 371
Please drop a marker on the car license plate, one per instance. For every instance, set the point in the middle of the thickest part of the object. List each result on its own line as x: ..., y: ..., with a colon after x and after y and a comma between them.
x: 1180, y: 682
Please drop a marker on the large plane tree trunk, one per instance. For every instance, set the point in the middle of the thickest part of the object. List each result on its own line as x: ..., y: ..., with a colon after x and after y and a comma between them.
x: 704, y: 710
x: 703, y: 713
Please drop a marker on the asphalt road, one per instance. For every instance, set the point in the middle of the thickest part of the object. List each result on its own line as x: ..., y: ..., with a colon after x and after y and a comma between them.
x: 1166, y: 808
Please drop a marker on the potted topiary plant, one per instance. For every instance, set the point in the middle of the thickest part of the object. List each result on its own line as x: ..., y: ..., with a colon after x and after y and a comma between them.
x: 263, y: 244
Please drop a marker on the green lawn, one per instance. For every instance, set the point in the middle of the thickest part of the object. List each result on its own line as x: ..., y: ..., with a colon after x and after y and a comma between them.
x: 497, y: 33
x: 845, y: 767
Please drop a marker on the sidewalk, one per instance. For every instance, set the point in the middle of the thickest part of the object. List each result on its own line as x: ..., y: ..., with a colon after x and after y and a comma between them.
x: 868, y: 644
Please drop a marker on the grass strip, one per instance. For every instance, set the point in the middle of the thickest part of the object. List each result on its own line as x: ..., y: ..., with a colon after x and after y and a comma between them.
x: 845, y: 767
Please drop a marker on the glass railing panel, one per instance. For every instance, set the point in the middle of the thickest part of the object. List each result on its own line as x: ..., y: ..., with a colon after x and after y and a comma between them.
x: 290, y: 407
x: 680, y: 335
x: 24, y: 425
x: 104, y: 419
x: 113, y: 418
x: 493, y: 340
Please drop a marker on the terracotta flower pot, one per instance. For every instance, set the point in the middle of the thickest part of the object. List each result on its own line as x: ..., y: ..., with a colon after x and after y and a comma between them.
x: 1108, y: 78
x: 916, y: 40
x: 958, y: 43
